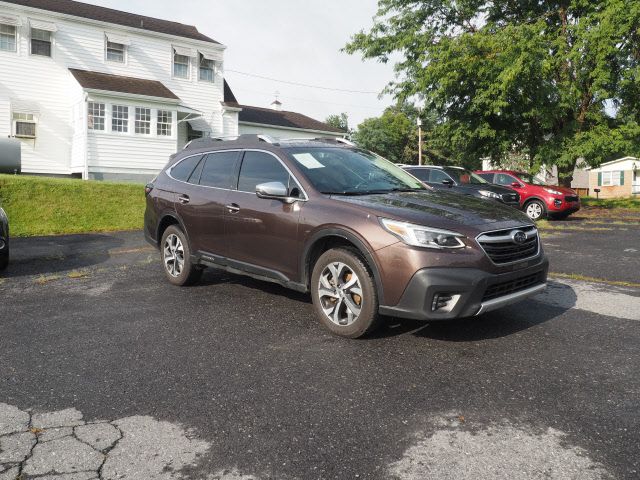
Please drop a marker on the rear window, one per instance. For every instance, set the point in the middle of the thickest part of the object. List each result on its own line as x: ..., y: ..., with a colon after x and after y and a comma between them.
x: 182, y: 170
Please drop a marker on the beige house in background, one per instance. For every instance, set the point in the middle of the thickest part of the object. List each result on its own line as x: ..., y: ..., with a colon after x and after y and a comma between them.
x: 617, y: 178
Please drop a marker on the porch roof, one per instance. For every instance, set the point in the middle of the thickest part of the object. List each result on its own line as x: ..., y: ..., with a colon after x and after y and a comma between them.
x: 117, y: 83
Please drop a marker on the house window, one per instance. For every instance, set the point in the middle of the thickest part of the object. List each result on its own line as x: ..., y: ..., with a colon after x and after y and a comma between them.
x: 95, y: 116
x: 24, y: 125
x: 180, y: 65
x: 206, y: 69
x: 165, y: 120
x: 143, y: 121
x: 7, y: 38
x: 120, y: 118
x: 610, y: 179
x: 115, y: 52
x: 40, y: 42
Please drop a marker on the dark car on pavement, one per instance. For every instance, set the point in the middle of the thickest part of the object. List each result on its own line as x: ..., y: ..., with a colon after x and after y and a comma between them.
x: 463, y: 181
x: 4, y: 240
x: 537, y: 199
x: 360, y: 234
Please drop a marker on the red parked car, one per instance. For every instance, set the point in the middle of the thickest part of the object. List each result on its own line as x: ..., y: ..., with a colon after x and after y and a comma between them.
x: 537, y: 199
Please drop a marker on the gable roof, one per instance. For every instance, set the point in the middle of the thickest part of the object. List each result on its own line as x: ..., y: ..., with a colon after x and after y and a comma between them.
x: 611, y: 162
x: 118, y: 17
x: 121, y: 84
x: 282, y: 118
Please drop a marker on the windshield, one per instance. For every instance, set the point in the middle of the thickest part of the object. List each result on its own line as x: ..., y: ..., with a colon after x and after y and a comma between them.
x: 464, y: 177
x: 351, y: 172
x: 528, y: 178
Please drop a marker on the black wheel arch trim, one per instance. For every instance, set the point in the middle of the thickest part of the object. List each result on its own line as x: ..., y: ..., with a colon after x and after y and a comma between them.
x: 176, y: 217
x: 350, y: 237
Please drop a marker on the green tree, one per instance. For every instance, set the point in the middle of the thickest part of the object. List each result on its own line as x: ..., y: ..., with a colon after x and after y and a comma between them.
x: 340, y: 121
x: 392, y: 135
x: 551, y: 80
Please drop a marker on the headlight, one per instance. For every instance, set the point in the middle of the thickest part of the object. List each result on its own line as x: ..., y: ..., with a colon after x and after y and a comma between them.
x: 420, y: 236
x: 552, y: 191
x: 487, y: 193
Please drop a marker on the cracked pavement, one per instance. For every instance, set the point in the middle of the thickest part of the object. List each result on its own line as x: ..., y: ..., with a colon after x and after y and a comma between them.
x: 107, y: 371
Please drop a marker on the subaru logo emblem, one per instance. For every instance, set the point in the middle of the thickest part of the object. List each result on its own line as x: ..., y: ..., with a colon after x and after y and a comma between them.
x: 518, y: 237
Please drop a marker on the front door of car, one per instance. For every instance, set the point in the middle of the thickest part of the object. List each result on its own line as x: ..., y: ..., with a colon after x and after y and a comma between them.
x: 201, y: 201
x: 262, y: 234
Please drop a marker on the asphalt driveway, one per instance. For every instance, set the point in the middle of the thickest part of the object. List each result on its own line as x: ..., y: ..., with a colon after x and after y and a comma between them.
x: 107, y: 371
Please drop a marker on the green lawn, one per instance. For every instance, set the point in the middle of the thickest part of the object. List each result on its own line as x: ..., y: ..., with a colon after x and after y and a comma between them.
x: 629, y: 203
x: 50, y: 206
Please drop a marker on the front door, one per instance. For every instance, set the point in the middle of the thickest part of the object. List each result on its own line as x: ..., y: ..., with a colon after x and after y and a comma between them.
x: 635, y: 188
x: 262, y: 233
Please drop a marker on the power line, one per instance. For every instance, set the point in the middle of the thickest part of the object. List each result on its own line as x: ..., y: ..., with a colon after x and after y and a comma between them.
x: 301, y: 84
x: 287, y: 97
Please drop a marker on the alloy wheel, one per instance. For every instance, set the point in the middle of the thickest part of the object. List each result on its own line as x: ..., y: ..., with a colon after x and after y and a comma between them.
x: 340, y: 294
x: 173, y: 255
x: 534, y: 210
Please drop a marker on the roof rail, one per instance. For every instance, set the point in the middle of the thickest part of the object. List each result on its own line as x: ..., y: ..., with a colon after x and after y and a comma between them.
x: 206, y: 141
x: 320, y: 139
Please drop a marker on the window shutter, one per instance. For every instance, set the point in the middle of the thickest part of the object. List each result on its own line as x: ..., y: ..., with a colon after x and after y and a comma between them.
x: 621, y: 177
x: 599, y: 179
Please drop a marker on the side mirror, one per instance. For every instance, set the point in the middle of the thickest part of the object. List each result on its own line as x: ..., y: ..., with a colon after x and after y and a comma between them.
x: 275, y: 191
x: 448, y: 183
x: 516, y: 185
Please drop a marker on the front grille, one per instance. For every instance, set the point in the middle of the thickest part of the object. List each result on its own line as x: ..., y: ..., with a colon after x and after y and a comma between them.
x: 571, y: 198
x: 512, y: 286
x: 501, y: 247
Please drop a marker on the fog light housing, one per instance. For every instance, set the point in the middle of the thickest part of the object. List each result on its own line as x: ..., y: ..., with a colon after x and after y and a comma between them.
x: 444, y: 302
x: 557, y: 202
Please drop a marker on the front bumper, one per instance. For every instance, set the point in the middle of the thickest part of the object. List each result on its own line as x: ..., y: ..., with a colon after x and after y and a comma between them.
x: 474, y: 291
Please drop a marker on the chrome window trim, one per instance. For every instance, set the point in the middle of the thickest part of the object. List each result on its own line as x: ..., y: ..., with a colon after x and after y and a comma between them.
x: 240, y: 150
x: 510, y: 229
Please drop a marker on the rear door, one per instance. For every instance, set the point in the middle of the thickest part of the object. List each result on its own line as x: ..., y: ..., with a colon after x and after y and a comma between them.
x: 201, y: 201
x: 262, y: 233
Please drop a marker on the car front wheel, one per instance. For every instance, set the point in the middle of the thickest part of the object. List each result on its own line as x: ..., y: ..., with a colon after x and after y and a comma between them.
x: 344, y: 294
x: 176, y: 258
x: 535, y: 210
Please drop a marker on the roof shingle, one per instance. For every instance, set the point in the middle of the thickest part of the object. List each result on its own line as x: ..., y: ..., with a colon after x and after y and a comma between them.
x: 109, y: 15
x: 267, y: 116
x: 118, y: 83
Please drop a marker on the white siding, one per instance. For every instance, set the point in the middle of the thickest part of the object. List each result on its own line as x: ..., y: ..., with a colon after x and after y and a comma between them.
x: 622, y: 165
x: 5, y: 117
x: 80, y: 44
x: 282, y: 132
x: 230, y: 123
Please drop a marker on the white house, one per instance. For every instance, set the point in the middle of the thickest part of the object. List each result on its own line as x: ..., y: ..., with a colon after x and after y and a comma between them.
x: 277, y: 122
x: 617, y: 178
x: 99, y: 93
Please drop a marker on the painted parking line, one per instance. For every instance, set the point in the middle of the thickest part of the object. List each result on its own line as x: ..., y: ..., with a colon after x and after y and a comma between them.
x: 613, y: 301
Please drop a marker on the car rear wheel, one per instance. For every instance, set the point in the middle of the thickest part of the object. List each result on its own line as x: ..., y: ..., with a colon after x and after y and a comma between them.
x: 344, y: 294
x: 535, y: 210
x: 176, y: 258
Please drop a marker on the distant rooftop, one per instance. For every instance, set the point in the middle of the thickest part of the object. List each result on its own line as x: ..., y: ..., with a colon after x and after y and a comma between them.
x: 117, y: 17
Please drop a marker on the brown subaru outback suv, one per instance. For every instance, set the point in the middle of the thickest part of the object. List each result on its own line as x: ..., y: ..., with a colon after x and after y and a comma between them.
x: 363, y: 236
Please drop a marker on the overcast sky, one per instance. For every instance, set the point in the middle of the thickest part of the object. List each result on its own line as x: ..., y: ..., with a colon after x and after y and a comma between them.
x: 286, y: 40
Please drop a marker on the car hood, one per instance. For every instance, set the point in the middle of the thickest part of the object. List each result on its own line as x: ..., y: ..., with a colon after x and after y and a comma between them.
x: 441, y: 209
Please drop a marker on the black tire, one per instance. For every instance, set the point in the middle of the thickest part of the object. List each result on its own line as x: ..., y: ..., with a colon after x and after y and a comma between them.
x: 4, y: 259
x: 184, y: 272
x: 535, y: 210
x: 354, y: 326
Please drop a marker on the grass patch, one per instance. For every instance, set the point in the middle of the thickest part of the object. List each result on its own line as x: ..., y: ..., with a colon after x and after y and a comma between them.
x: 628, y: 203
x: 51, y: 206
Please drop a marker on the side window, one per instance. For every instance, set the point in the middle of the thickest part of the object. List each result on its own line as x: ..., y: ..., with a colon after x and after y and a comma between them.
x: 487, y: 176
x: 420, y: 173
x: 504, y: 179
x: 182, y: 171
x: 437, y: 176
x: 260, y: 167
x: 218, y: 169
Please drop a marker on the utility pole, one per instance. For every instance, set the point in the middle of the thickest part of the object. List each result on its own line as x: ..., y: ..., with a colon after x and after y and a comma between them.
x: 419, y: 122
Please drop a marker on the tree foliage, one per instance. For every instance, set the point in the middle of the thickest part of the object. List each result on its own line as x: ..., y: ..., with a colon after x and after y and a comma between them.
x: 552, y: 80
x: 393, y: 135
x: 340, y: 121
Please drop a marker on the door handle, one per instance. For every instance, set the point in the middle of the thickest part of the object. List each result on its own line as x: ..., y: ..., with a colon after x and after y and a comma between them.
x: 233, y: 208
x: 183, y: 199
